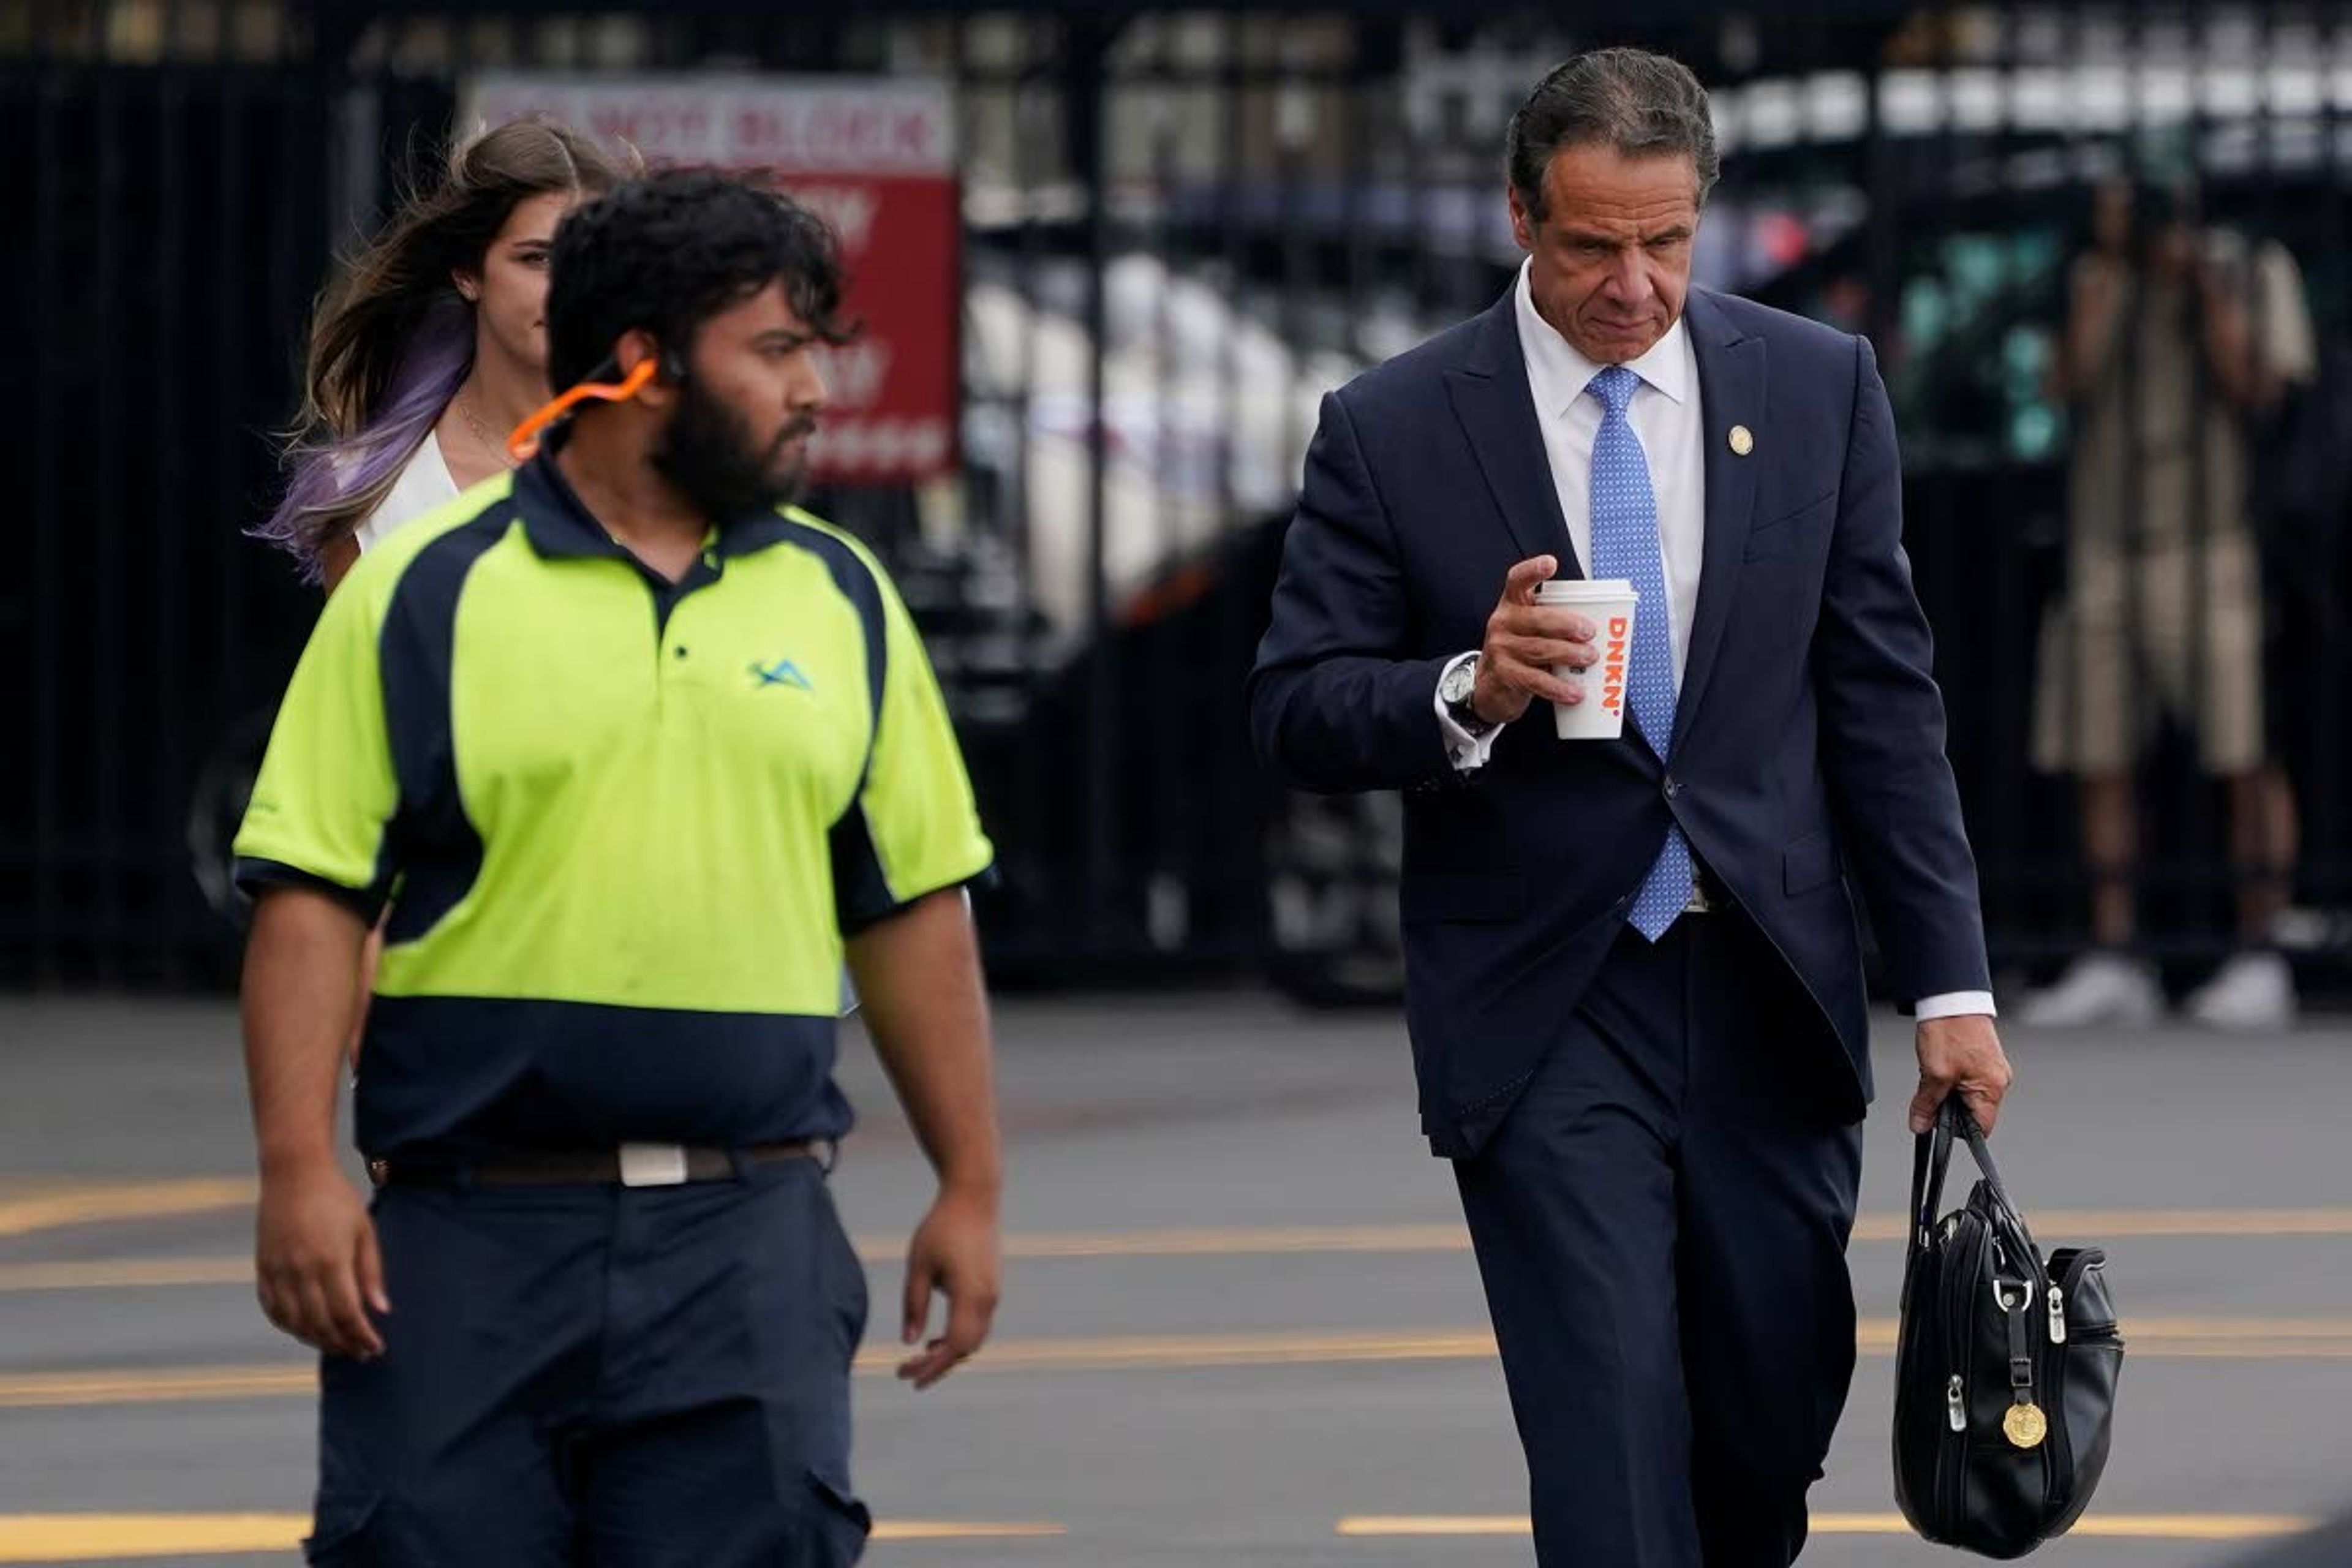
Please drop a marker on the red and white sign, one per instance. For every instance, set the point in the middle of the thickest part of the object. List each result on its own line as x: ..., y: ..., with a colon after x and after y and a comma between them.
x: 876, y: 158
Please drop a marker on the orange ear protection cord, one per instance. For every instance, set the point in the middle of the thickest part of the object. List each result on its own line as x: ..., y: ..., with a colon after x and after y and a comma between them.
x: 523, y: 445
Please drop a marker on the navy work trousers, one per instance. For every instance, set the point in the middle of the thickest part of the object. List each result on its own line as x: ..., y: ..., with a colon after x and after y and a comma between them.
x: 1661, y: 1224
x: 591, y: 1375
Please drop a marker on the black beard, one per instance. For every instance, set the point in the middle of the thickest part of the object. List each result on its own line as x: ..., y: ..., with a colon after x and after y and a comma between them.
x: 709, y: 455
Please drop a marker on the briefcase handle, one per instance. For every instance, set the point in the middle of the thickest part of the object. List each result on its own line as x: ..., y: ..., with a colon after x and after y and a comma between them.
x: 1931, y: 1158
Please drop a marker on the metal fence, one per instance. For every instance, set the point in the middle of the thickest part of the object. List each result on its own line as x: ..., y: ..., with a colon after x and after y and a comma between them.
x: 1181, y: 224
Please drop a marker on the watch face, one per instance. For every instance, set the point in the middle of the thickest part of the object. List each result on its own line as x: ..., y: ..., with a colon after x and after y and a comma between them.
x: 1459, y: 681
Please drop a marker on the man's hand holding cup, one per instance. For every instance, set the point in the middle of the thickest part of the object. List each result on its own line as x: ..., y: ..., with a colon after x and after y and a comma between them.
x: 1527, y: 644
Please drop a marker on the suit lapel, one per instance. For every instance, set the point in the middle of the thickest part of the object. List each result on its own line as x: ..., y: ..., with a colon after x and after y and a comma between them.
x: 1490, y: 397
x: 1731, y: 391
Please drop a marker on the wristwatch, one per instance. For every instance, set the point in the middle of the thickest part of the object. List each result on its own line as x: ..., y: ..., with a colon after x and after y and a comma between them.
x: 1454, y: 689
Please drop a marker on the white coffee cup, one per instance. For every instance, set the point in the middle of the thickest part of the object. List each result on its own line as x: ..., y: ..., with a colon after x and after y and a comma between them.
x: 1608, y: 603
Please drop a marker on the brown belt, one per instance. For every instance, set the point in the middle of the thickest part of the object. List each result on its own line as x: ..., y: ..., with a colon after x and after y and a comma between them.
x: 629, y: 1165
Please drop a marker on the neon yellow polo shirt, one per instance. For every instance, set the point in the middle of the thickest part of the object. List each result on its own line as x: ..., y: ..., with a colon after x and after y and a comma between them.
x: 622, y: 825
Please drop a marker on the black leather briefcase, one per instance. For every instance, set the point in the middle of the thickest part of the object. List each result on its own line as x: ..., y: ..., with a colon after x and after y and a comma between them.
x: 2005, y: 1365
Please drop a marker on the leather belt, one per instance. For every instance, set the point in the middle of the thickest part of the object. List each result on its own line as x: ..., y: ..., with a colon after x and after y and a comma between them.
x: 626, y: 1164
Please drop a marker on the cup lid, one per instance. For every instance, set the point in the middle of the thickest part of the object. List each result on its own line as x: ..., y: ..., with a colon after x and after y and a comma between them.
x: 1578, y: 588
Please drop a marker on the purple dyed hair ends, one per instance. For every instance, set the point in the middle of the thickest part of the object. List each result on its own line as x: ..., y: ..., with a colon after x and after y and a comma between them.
x: 328, y: 472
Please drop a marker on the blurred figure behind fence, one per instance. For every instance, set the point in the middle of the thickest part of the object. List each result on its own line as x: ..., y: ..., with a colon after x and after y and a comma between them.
x: 2176, y: 338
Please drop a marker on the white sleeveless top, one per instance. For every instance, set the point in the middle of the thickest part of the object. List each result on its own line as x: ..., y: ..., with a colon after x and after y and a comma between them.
x: 423, y: 484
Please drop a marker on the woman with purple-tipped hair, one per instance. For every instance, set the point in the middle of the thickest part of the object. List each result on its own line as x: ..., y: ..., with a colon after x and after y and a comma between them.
x: 432, y: 346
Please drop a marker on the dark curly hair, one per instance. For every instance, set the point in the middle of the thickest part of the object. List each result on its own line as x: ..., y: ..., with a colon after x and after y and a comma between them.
x: 666, y: 253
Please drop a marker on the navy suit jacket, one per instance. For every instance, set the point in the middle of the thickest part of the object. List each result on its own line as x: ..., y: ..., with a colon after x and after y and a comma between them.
x: 1809, y: 733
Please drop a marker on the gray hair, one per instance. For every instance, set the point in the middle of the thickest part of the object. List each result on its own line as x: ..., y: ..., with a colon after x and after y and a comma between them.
x: 1640, y: 104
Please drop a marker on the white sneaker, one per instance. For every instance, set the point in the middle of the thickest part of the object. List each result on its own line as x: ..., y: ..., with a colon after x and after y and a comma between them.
x: 2098, y: 989
x: 2254, y: 994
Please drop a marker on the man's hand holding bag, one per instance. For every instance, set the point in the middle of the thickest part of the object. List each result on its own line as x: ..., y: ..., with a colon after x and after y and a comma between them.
x: 2005, y: 1364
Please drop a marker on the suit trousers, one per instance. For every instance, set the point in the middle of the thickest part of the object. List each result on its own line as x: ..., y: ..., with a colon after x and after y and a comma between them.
x: 1661, y: 1223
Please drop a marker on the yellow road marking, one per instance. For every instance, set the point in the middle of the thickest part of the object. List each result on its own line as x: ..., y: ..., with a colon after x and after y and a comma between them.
x: 1231, y: 1242
x: 2113, y: 1526
x: 126, y: 1273
x: 21, y: 1216
x: 1435, y: 1524
x: 931, y: 1530
x: 1450, y: 1237
x: 2168, y: 1339
x: 102, y: 1204
x: 2180, y: 1338
x: 1182, y: 1351
x: 89, y: 1537
x: 2102, y: 1225
x: 156, y: 1385
x: 107, y: 1203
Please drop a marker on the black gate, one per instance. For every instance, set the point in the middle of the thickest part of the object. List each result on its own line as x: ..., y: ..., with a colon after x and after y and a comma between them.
x: 1182, y: 224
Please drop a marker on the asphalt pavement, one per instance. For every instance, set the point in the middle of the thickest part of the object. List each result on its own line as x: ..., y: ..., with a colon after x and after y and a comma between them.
x: 1241, y: 1326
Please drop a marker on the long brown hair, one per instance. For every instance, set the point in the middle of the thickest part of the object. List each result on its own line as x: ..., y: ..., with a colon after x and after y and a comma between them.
x: 392, y: 340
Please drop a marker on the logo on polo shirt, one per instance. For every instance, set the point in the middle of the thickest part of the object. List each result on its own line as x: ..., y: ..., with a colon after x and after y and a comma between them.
x: 783, y: 672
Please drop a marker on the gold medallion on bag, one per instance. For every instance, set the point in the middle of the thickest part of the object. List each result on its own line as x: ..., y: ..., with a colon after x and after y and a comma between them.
x: 2025, y: 1426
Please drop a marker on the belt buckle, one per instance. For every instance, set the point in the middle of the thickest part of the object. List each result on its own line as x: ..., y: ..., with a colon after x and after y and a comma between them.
x: 653, y: 1164
x: 1699, y: 903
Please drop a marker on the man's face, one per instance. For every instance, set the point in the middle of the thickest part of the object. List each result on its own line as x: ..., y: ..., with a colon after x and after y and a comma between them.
x: 738, y: 440
x: 1610, y: 261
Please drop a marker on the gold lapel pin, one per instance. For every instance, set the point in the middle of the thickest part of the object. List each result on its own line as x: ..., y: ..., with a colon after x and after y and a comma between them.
x: 1742, y: 443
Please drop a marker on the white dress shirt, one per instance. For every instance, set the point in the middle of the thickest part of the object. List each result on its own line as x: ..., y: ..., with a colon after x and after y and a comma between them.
x: 1671, y: 425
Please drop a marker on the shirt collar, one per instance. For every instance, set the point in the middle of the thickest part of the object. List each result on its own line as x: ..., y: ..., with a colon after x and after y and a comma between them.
x: 1558, y: 373
x: 559, y: 522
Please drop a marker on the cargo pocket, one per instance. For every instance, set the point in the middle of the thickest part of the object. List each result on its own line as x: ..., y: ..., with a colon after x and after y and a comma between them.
x: 343, y: 1532
x: 838, y: 1525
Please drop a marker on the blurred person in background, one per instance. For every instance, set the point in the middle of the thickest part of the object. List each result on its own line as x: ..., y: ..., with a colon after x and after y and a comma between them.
x: 431, y: 346
x: 2175, y: 340
x: 634, y: 751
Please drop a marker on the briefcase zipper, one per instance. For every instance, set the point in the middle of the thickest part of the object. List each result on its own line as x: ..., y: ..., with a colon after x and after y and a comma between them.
x: 1960, y: 1283
x: 1953, y: 1495
x: 2058, y: 1448
x: 2057, y: 1315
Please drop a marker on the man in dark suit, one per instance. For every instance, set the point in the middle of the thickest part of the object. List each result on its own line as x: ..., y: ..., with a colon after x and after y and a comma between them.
x: 1634, y: 976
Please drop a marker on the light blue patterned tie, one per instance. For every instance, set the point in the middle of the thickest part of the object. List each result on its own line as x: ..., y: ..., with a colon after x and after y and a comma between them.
x: 1625, y: 545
